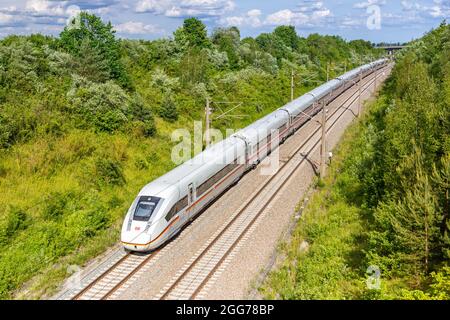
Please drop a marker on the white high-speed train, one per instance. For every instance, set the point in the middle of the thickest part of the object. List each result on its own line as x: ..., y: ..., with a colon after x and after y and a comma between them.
x: 168, y: 203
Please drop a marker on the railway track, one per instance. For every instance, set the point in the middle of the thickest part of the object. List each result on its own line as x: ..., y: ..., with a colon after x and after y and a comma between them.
x: 113, y: 278
x: 190, y: 282
x: 104, y: 282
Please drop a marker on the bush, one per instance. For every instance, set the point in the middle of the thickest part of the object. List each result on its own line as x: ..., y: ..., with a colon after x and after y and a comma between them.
x: 16, y: 220
x: 16, y: 125
x: 168, y: 110
x: 149, y: 128
x: 3, y: 171
x: 102, y: 105
x: 56, y: 205
x: 94, y: 221
x: 108, y: 107
x: 109, y: 172
x: 142, y: 113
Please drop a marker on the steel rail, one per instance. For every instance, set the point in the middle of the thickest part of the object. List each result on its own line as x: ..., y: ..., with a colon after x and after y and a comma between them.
x: 367, y: 85
x: 126, y: 257
x: 272, y: 197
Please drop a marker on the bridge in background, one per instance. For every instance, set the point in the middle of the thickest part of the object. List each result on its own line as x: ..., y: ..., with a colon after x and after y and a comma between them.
x: 391, y: 49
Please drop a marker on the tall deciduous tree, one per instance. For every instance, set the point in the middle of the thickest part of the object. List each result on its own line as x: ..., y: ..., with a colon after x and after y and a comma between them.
x: 101, y: 37
x: 288, y: 36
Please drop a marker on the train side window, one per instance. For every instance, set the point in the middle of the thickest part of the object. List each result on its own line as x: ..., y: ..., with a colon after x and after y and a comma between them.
x: 180, y: 205
x: 171, y: 213
x: 216, y: 178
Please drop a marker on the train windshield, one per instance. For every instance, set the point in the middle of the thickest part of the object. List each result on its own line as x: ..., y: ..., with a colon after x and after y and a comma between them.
x: 145, y: 208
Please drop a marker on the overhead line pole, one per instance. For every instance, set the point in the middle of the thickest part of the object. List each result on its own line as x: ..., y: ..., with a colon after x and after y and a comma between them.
x: 208, y: 123
x: 292, y: 84
x: 323, y: 146
x: 359, y: 93
x: 376, y: 80
x: 328, y: 71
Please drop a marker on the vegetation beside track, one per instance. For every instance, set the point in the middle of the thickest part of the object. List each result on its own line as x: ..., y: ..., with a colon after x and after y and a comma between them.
x: 385, y: 203
x: 86, y: 121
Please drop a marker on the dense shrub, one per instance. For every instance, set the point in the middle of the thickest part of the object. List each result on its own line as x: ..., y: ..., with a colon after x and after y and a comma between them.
x: 94, y: 221
x: 109, y: 172
x: 56, y: 205
x: 15, y: 221
x: 168, y: 109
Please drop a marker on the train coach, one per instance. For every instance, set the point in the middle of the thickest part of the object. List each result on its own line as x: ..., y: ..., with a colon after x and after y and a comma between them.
x: 168, y: 203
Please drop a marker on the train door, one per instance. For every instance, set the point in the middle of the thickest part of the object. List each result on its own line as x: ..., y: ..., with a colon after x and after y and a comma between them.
x: 249, y: 153
x: 191, y: 200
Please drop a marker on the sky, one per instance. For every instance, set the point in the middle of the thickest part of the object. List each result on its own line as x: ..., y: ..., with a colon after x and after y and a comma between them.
x: 373, y: 20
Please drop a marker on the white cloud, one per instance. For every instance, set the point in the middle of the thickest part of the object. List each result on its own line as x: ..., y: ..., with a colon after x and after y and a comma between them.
x: 233, y: 21
x: 45, y: 8
x: 368, y: 3
x: 157, y: 6
x: 5, y: 19
x: 251, y: 18
x: 307, y: 13
x: 440, y: 8
x: 287, y: 17
x: 184, y: 8
x: 132, y: 27
x: 350, y: 22
x: 50, y: 15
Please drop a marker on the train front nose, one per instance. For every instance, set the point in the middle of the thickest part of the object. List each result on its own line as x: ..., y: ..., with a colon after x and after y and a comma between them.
x: 136, y: 240
x: 136, y: 231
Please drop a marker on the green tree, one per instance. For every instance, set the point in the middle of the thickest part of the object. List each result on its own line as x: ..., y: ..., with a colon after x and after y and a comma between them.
x: 441, y: 179
x: 228, y: 40
x: 194, y: 67
x: 273, y: 45
x: 192, y: 34
x: 288, y: 36
x: 90, y: 64
x: 101, y: 37
x: 410, y: 226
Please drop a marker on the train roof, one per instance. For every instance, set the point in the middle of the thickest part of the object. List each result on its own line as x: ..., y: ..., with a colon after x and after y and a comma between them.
x: 262, y: 125
x: 324, y: 89
x: 213, y: 153
x: 299, y: 104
